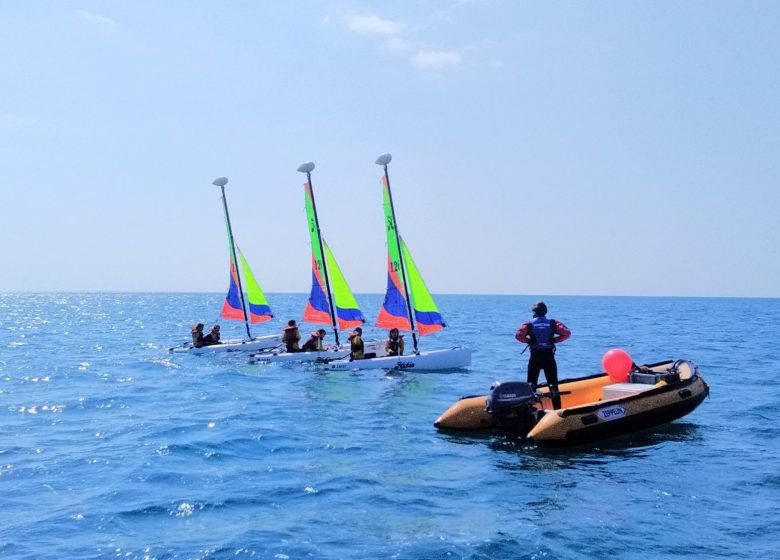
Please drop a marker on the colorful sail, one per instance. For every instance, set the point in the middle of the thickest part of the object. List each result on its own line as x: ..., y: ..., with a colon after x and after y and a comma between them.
x: 347, y: 311
x: 232, y: 308
x: 259, y: 310
x: 425, y: 311
x: 317, y: 310
x: 395, y: 311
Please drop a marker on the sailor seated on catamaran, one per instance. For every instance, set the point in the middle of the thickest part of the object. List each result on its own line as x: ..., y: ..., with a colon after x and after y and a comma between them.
x: 395, y: 343
x: 291, y: 336
x: 356, y: 344
x: 197, y: 335
x: 314, y: 344
x: 213, y: 336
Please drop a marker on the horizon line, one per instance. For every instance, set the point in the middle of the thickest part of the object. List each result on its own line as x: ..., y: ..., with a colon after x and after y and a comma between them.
x: 305, y: 294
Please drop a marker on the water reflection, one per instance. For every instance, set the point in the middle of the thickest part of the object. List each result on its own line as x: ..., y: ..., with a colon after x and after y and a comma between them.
x: 518, y: 455
x: 407, y: 384
x: 339, y: 386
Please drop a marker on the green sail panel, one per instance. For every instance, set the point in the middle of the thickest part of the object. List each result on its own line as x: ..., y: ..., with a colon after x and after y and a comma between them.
x: 311, y: 220
x: 390, y: 226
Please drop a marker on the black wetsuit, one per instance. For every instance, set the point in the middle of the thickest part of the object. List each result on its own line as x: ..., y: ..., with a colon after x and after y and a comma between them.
x: 544, y: 359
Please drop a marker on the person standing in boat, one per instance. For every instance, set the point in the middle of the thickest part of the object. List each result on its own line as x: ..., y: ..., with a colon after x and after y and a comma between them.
x: 314, y: 344
x: 291, y: 336
x: 541, y: 335
x: 356, y: 344
x: 212, y: 337
x: 395, y: 343
x: 197, y: 335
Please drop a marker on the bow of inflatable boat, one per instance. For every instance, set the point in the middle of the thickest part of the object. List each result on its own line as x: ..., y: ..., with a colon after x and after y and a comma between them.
x: 469, y: 413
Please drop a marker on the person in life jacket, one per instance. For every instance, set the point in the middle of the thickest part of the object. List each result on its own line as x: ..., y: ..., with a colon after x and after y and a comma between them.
x: 541, y: 335
x: 314, y: 344
x: 212, y: 337
x: 197, y: 335
x: 356, y: 344
x: 395, y: 343
x: 291, y: 336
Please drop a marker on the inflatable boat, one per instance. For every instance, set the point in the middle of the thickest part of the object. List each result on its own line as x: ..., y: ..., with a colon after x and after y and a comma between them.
x: 592, y: 408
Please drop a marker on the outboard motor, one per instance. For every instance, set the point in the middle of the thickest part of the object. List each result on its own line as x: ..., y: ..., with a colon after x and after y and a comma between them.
x: 512, y: 406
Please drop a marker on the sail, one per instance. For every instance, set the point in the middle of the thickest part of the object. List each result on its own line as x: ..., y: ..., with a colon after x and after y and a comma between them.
x: 318, y: 308
x: 425, y: 311
x: 259, y: 310
x: 395, y: 311
x: 232, y: 308
x: 347, y: 310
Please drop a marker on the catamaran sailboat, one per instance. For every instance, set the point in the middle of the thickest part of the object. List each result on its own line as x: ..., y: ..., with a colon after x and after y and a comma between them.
x: 331, y: 302
x: 234, y: 307
x: 408, y: 304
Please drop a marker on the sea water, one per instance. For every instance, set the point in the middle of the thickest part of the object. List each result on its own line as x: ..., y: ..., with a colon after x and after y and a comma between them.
x: 110, y: 447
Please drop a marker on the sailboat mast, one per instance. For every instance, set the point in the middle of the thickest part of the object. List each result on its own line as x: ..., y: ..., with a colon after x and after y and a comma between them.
x: 383, y: 160
x: 307, y: 168
x: 221, y: 182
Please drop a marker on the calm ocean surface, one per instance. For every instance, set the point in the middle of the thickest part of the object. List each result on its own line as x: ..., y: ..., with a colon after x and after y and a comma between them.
x: 110, y: 447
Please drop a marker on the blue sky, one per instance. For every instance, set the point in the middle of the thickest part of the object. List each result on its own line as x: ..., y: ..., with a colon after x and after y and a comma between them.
x: 616, y: 148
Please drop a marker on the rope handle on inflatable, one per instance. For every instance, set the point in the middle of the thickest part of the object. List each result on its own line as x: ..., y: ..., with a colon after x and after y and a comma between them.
x: 676, y: 366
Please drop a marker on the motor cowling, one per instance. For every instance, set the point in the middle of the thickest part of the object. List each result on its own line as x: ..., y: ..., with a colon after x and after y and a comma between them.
x: 512, y: 406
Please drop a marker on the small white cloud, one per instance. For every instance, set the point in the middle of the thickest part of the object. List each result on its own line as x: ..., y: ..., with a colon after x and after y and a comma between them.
x: 372, y: 24
x: 397, y: 44
x: 97, y: 19
x: 436, y: 59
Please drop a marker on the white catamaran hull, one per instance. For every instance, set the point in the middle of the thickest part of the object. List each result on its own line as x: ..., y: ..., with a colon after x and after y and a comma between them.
x: 256, y: 344
x: 451, y: 358
x: 279, y: 356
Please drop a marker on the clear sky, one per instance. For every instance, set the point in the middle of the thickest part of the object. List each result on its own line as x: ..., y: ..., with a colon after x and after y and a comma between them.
x: 613, y: 148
